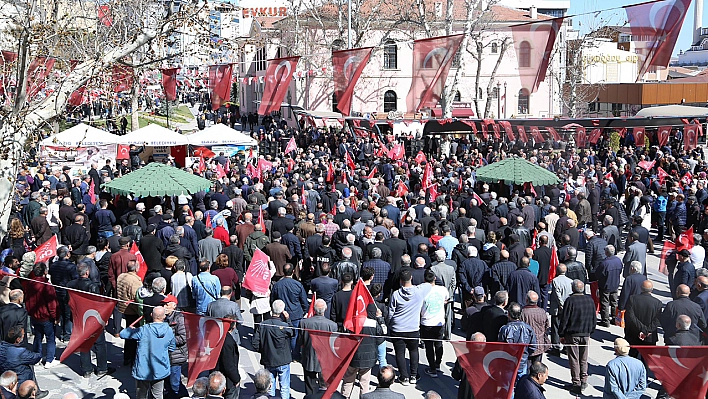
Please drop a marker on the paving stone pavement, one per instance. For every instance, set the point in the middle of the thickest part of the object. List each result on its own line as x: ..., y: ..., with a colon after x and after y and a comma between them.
x: 66, y: 377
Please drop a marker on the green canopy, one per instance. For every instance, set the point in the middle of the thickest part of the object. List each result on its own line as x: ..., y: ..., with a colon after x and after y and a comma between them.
x: 517, y: 171
x: 157, y: 180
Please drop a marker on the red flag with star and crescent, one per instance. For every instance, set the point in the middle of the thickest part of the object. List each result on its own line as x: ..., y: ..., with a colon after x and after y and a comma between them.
x: 142, y: 270
x: 350, y: 162
x: 646, y: 165
x: 683, y: 371
x: 46, y: 251
x: 277, y: 81
x: 690, y: 137
x: 536, y: 134
x: 334, y: 351
x: 661, y: 175
x: 348, y: 66
x: 639, y: 132
x: 356, y: 312
x: 205, y: 337
x: 490, y: 366
x: 662, y: 135
x: 291, y: 146
x: 522, y: 134
x: 685, y: 240
x: 427, y: 179
x: 91, y: 312
x: 311, y: 311
x: 401, y: 190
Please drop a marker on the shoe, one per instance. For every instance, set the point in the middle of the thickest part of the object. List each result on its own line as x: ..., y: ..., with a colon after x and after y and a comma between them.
x: 603, y: 324
x: 431, y: 372
x: 53, y: 363
x: 109, y: 371
x: 403, y: 381
x: 576, y: 390
x: 413, y: 381
x: 554, y: 352
x: 87, y: 375
x: 41, y: 394
x: 583, y: 386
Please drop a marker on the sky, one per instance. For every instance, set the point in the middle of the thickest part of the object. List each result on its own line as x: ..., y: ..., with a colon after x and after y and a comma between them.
x: 685, y: 37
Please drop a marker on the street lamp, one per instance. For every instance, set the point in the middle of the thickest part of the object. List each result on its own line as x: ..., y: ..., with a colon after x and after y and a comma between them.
x: 498, y: 99
x: 505, y: 97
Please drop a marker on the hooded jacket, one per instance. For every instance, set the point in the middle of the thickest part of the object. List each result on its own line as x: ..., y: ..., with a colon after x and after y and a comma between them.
x: 155, y: 342
x: 404, y: 308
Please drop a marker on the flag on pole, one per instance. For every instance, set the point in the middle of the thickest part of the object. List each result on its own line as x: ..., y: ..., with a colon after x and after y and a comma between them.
x: 258, y: 274
x: 277, y: 81
x: 46, y: 251
x: 291, y: 146
x: 91, y: 313
x: 356, y: 311
x: 348, y: 66
x: 142, y: 265
x: 334, y: 351
x: 534, y: 43
x: 663, y: 134
x: 205, y: 338
x: 432, y: 59
x: 311, y: 311
x: 683, y: 371
x: 220, y: 84
x: 490, y: 367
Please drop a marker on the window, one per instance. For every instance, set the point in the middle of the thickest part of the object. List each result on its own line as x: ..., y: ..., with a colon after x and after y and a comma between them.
x: 479, y: 93
x: 261, y: 59
x: 495, y: 92
x: 495, y: 48
x: 335, y: 102
x: 523, y: 101
x: 390, y: 55
x: 390, y: 101
x: 524, y: 54
x: 458, y: 97
x: 338, y: 44
x: 456, y: 59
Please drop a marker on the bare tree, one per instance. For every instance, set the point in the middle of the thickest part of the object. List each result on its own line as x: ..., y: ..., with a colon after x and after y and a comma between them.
x: 94, y: 38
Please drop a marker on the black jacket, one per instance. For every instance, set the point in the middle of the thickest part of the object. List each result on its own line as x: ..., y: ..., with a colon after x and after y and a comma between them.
x: 11, y: 315
x: 493, y: 318
x: 366, y: 355
x: 578, y: 317
x: 594, y: 254
x: 642, y: 316
x: 228, y: 362
x: 398, y: 248
x: 78, y: 237
x: 576, y: 271
x: 272, y: 341
x: 685, y: 338
x: 235, y: 255
x: 310, y: 361
x: 151, y: 249
x: 677, y: 307
x: 543, y: 256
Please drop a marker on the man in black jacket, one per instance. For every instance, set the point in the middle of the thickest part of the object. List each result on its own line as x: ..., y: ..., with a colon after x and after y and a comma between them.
x: 151, y: 248
x: 594, y: 253
x: 83, y: 283
x: 310, y: 362
x: 577, y: 323
x: 641, y: 318
x: 13, y: 314
x: 228, y: 361
x: 272, y: 340
x: 62, y: 272
x: 542, y: 255
x: 682, y: 305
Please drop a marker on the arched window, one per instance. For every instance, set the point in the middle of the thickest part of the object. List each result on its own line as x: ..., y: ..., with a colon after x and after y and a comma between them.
x: 390, y: 55
x: 495, y: 92
x: 525, y: 54
x: 458, y: 96
x: 495, y: 48
x: 523, y: 101
x: 335, y: 102
x: 480, y: 94
x: 390, y: 101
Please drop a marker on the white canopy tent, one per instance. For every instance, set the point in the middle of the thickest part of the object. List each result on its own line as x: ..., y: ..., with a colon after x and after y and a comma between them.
x: 220, y: 134
x: 673, y: 110
x: 154, y: 136
x: 81, y: 135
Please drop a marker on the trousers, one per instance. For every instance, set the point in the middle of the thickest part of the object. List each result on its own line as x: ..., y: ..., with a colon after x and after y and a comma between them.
x: 350, y: 376
x: 149, y: 389
x: 408, y: 340
x: 608, y: 304
x: 577, y: 358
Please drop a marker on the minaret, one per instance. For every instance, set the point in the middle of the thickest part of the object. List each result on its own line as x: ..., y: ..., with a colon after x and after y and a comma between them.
x: 697, y: 22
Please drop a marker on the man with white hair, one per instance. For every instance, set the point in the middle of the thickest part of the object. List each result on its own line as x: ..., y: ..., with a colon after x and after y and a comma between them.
x: 625, y: 377
x: 608, y: 276
x: 632, y: 284
x: 310, y: 362
x: 470, y: 274
x: 270, y: 341
x: 398, y: 248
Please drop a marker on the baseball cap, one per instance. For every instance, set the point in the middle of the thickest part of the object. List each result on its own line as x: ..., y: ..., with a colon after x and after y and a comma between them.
x: 170, y: 298
x: 478, y: 291
x: 684, y: 252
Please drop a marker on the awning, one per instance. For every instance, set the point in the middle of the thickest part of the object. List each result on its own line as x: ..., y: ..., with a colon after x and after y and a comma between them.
x: 456, y: 112
x: 81, y: 135
x: 155, y: 136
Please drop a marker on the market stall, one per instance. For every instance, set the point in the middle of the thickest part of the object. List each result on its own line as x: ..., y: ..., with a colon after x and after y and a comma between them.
x: 221, y: 138
x: 79, y: 147
x: 159, y: 142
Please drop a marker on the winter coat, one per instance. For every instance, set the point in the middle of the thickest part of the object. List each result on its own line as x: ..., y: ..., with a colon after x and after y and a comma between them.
x: 18, y: 359
x: 155, y: 341
x: 366, y: 355
x: 176, y: 322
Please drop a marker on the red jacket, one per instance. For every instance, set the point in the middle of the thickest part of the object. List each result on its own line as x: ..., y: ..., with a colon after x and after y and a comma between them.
x: 222, y: 235
x: 40, y: 299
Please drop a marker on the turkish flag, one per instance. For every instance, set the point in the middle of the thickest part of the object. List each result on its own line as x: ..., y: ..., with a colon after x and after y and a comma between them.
x: 509, y: 131
x: 490, y: 366
x: 595, y: 135
x: 330, y: 173
x: 205, y: 337
x: 122, y: 76
x: 661, y: 174
x: 78, y: 97
x: 91, y: 312
x: 485, y: 134
x: 685, y: 240
x: 433, y: 192
x: 522, y: 134
x: 371, y: 174
x: 220, y: 84
x: 334, y: 351
x: 554, y: 264
x: 690, y: 137
x: 401, y: 190
x: 432, y: 59
x: 123, y: 151
x: 485, y: 127
x: 253, y: 172
x: 264, y: 165
x: 347, y: 68
x: 668, y: 248
x: 646, y: 165
x: 104, y: 14
x: 356, y: 312
x: 258, y: 274
x: 427, y: 176
x: 220, y: 172
x: 142, y: 270
x: 169, y: 82
x: 37, y: 74
x: 683, y: 371
x: 658, y: 23
x: 536, y: 134
x: 277, y: 80
x: 639, y: 133
x: 396, y: 152
x: 477, y: 198
x: 350, y: 162
x: 471, y: 124
x: 420, y: 158
x: 291, y: 146
x: 46, y: 251
x: 580, y: 137
x: 662, y: 134
x: 554, y: 133
x: 534, y: 44
x: 687, y: 179
x: 595, y: 294
x: 311, y: 311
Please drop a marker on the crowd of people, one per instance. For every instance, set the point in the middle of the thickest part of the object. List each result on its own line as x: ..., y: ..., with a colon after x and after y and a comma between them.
x: 466, y: 258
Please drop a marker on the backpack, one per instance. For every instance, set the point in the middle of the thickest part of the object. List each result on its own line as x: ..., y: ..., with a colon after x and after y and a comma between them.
x: 5, y: 289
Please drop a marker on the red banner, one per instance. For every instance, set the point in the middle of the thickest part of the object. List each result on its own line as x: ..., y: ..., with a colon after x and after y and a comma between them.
x: 37, y: 74
x: 205, y: 337
x: 427, y: 179
x: 595, y: 135
x: 46, y: 251
x: 646, y: 165
x: 536, y: 134
x: 661, y: 174
x: 91, y: 312
x: 683, y: 371
x: 554, y: 134
x: 432, y: 59
x: 595, y: 295
x: 401, y: 190
x: 490, y: 366
x: 334, y: 351
x: 277, y: 80
x: 122, y: 78
x: 169, y: 82
x: 348, y: 66
x: 356, y: 312
x: 534, y: 44
x: 509, y: 131
x: 663, y: 135
x: 420, y: 158
x: 104, y: 14
x: 7, y: 61
x: 258, y: 275
x: 580, y: 137
x: 396, y: 152
x: 638, y: 133
x: 142, y: 269
x: 522, y: 134
x: 123, y: 151
x: 658, y: 24
x: 219, y: 84
x: 690, y: 137
x: 291, y: 146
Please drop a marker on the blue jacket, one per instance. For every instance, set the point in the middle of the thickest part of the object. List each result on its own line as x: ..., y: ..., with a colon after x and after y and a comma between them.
x: 521, y: 281
x: 155, y: 342
x: 206, y: 288
x: 518, y: 332
x: 608, y: 274
x: 625, y: 377
x: 471, y: 273
x: 18, y: 359
x: 679, y: 216
x: 104, y: 220
x: 293, y: 294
